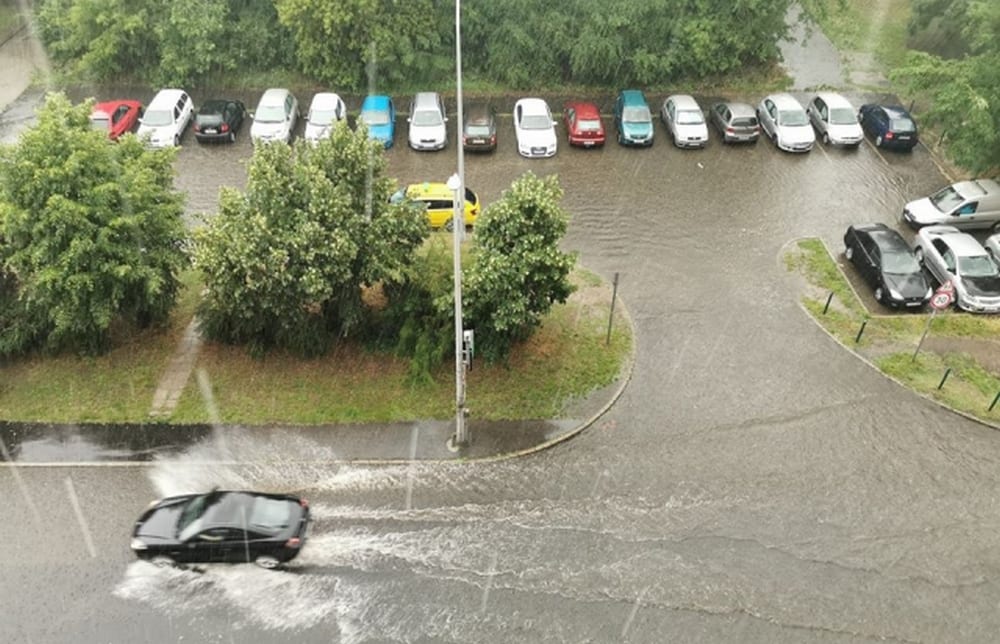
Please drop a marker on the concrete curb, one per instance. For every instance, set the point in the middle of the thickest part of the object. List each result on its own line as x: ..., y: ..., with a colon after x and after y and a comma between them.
x: 781, y: 254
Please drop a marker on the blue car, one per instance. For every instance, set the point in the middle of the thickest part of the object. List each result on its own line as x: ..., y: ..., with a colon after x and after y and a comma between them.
x: 890, y: 125
x: 633, y: 118
x: 379, y: 114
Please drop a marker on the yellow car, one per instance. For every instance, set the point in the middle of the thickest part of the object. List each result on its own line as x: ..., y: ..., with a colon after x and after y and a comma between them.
x: 439, y: 201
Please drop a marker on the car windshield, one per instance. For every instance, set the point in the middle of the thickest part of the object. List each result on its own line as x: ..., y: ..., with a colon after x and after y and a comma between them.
x: 270, y: 114
x: 536, y: 122
x: 842, y: 116
x: 947, y: 199
x: 101, y: 123
x: 426, y: 118
x: 322, y: 117
x: 977, y: 266
x: 194, y: 510
x: 375, y: 117
x: 897, y: 263
x: 636, y: 115
x: 690, y: 117
x: 477, y: 130
x: 589, y: 125
x: 158, y: 118
x: 792, y: 118
x: 902, y: 125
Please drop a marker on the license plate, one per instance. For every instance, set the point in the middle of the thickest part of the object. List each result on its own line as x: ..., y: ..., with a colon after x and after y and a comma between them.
x: 588, y: 144
x: 211, y: 130
x: 904, y: 138
x: 538, y: 150
x: 914, y: 303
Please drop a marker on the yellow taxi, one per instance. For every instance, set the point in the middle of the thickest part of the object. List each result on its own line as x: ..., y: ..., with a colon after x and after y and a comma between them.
x: 438, y: 199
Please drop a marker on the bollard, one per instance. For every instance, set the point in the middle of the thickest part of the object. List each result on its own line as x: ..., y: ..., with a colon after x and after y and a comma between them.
x: 611, y: 315
x: 947, y: 372
x: 828, y: 300
x: 864, y: 323
x: 994, y: 403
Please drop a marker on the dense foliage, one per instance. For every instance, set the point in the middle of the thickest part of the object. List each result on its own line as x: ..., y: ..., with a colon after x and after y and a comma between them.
x: 519, y: 271
x: 285, y: 261
x: 90, y: 234
x: 964, y: 91
x: 351, y: 43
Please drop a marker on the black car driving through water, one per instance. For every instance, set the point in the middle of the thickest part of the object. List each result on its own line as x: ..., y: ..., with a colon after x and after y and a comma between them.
x: 222, y: 526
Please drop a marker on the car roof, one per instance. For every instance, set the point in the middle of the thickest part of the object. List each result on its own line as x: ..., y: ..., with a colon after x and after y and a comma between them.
x: 739, y: 110
x: 833, y: 99
x: 584, y: 109
x: 478, y: 115
x: 165, y: 98
x: 532, y: 105
x: 325, y: 99
x: 430, y: 190
x: 214, y: 104
x: 375, y: 102
x: 978, y: 187
x: 275, y: 95
x: 684, y: 101
x: 784, y: 101
x: 425, y: 99
x: 894, y: 111
x: 110, y: 106
x: 962, y: 244
x: 633, y: 97
x: 887, y: 239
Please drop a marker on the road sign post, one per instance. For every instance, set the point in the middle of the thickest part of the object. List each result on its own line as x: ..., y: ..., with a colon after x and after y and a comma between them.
x: 942, y: 299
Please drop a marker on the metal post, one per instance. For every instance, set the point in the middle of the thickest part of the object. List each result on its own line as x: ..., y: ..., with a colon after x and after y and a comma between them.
x: 857, y: 338
x: 827, y: 305
x: 611, y: 315
x: 994, y: 403
x: 457, y: 184
x: 924, y: 336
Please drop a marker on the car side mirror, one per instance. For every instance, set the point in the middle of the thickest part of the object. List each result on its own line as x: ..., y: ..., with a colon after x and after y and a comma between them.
x: 446, y: 119
x: 409, y: 119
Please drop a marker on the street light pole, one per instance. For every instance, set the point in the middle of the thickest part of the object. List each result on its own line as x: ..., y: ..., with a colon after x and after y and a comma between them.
x: 457, y: 184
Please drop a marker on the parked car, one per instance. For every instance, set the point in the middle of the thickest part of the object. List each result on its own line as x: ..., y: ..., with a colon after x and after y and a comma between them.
x: 736, y: 122
x: 685, y: 121
x: 890, y: 126
x: 439, y: 202
x: 534, y: 128
x: 224, y: 527
x: 886, y: 262
x: 378, y: 113
x: 427, y: 122
x: 782, y: 119
x: 166, y: 118
x: 219, y: 120
x: 117, y: 118
x: 583, y: 124
x: 966, y: 205
x: 953, y: 256
x: 480, y: 130
x: 275, y: 117
x: 992, y: 246
x: 325, y: 110
x: 633, y: 120
x: 835, y: 120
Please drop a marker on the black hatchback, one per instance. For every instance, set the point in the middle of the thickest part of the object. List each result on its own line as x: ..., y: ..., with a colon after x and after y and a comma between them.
x: 888, y: 265
x: 479, y: 132
x: 222, y: 527
x: 219, y: 120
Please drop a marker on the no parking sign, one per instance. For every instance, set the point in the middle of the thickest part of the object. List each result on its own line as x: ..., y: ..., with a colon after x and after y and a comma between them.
x: 943, y: 296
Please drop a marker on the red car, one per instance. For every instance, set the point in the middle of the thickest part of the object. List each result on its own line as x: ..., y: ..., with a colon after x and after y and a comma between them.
x: 116, y: 117
x: 583, y: 124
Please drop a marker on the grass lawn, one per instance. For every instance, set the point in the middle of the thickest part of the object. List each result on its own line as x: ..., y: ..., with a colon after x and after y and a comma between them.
x: 566, y: 358
x: 877, y: 27
x: 889, y: 341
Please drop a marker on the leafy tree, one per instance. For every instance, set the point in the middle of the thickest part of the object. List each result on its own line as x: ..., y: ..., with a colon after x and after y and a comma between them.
x: 518, y: 270
x: 189, y: 40
x: 91, y: 233
x: 284, y: 262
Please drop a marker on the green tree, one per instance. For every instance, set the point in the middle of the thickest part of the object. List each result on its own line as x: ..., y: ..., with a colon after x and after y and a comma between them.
x: 285, y: 261
x: 518, y: 271
x: 189, y: 40
x: 91, y: 233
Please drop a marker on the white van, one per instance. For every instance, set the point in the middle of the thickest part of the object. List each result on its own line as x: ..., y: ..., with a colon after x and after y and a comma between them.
x: 427, y: 122
x: 166, y: 117
x: 966, y: 205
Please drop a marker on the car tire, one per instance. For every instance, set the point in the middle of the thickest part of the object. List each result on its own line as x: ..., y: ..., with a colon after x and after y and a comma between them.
x: 232, y: 136
x: 826, y: 139
x: 162, y: 561
x: 879, y: 294
x: 878, y: 141
x: 269, y: 562
x: 177, y: 140
x: 849, y: 253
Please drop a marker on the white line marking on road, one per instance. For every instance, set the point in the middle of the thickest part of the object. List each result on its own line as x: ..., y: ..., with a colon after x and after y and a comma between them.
x: 84, y: 528
x: 20, y: 484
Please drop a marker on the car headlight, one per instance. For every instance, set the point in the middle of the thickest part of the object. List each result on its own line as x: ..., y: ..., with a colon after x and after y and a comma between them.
x: 894, y: 294
x: 929, y: 294
x: 138, y: 544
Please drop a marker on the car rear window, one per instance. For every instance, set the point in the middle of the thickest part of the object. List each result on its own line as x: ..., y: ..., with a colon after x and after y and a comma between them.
x: 478, y: 130
x: 269, y: 515
x: 902, y: 125
x: 747, y: 121
x: 590, y: 125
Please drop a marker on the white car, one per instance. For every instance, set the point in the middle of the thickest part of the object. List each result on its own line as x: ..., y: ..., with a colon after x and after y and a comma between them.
x: 534, y: 127
x: 325, y: 111
x: 275, y: 116
x: 166, y: 118
x: 782, y: 119
x: 835, y: 120
x: 953, y: 256
x: 685, y: 121
x: 427, y: 122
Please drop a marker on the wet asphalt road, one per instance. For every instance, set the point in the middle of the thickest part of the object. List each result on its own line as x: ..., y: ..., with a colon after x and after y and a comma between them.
x: 755, y: 483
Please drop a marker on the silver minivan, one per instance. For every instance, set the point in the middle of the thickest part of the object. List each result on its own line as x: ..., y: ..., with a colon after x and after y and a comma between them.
x: 427, y: 122
x: 966, y: 205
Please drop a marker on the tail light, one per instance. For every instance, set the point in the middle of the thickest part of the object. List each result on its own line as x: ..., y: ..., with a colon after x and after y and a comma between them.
x: 224, y: 128
x: 304, y: 503
x: 465, y: 139
x: 493, y: 138
x: 730, y: 130
x: 888, y: 135
x: 294, y: 542
x: 197, y: 128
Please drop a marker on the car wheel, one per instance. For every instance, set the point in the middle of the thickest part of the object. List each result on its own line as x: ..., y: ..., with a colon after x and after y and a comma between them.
x: 267, y: 561
x: 826, y: 139
x: 774, y: 138
x: 918, y: 252
x: 879, y: 294
x: 177, y: 140
x: 232, y: 136
x: 878, y: 141
x: 849, y: 253
x: 162, y: 561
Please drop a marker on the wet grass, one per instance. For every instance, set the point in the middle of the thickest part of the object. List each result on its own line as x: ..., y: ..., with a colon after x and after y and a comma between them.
x: 891, y: 340
x: 564, y: 359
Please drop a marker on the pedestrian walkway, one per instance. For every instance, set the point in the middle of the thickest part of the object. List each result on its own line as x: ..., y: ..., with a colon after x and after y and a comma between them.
x: 175, y: 378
